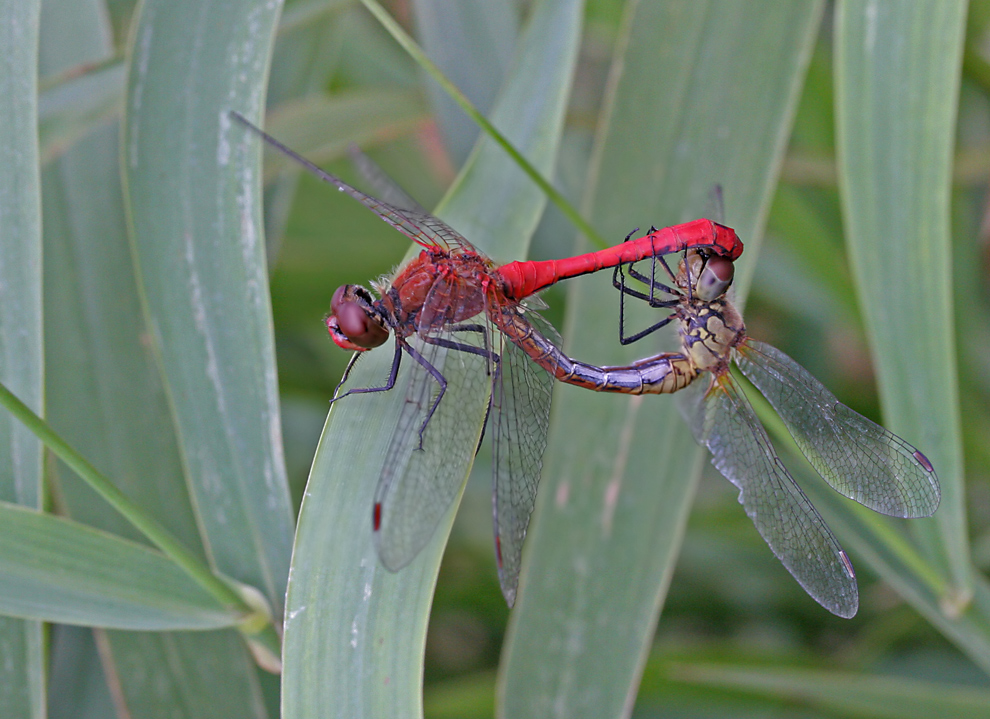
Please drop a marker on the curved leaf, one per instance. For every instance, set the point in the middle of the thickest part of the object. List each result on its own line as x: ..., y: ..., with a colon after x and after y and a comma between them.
x: 105, y: 393
x: 843, y: 693
x: 471, y: 41
x: 701, y: 93
x: 360, y: 117
x: 897, y: 90
x: 354, y: 632
x: 58, y: 570
x: 21, y: 358
x: 194, y: 204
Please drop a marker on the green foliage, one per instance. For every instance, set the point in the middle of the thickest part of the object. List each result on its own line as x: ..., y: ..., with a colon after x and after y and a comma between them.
x: 177, y: 276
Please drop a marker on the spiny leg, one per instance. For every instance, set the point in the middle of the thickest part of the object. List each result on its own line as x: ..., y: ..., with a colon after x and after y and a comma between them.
x: 389, y: 383
x: 480, y: 329
x: 652, y: 281
x: 619, y: 281
x: 497, y: 361
x: 627, y: 340
x: 435, y: 373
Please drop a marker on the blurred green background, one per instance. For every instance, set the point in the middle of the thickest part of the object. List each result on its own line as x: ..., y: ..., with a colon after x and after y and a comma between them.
x: 737, y: 636
x: 729, y: 599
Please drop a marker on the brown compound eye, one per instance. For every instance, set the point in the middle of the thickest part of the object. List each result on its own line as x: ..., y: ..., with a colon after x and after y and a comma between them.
x: 354, y: 322
x: 339, y: 295
x: 359, y: 326
x: 715, y: 278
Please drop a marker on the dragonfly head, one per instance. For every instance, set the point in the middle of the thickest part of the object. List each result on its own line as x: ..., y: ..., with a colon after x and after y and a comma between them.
x: 708, y: 275
x: 354, y: 323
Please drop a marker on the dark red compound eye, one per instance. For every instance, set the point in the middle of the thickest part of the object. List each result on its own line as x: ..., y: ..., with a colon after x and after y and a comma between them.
x: 715, y: 278
x: 338, y: 337
x: 354, y: 322
x: 338, y: 296
x: 360, y: 327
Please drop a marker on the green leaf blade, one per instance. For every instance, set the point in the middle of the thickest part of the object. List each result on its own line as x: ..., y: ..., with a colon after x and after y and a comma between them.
x: 21, y: 354
x: 701, y: 93
x: 897, y: 86
x: 61, y: 571
x: 104, y: 389
x: 355, y: 633
x: 471, y: 42
x: 359, y: 116
x: 21, y: 360
x: 846, y: 694
x: 194, y: 204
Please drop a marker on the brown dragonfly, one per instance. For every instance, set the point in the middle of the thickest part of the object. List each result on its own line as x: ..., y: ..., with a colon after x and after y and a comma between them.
x: 857, y: 457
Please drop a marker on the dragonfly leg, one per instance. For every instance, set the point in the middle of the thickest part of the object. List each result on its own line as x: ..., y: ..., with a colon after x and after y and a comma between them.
x: 435, y: 373
x: 347, y: 373
x: 389, y: 383
x: 629, y: 339
x: 483, y: 331
x: 440, y: 380
x: 617, y: 272
x: 460, y: 347
x: 652, y: 279
x: 496, y: 384
x: 687, y: 276
x: 655, y: 303
x: 488, y: 413
x: 619, y: 281
x: 493, y: 360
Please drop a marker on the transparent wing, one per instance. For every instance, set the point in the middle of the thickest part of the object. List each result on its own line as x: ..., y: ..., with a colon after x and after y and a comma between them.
x: 415, y: 223
x: 520, y: 416
x: 417, y: 486
x: 723, y: 420
x: 399, y: 209
x: 388, y: 189
x: 535, y: 303
x: 858, y: 458
x: 418, y: 225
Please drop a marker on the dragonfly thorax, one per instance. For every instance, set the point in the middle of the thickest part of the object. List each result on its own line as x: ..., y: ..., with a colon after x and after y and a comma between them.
x: 433, y: 292
x: 709, y: 327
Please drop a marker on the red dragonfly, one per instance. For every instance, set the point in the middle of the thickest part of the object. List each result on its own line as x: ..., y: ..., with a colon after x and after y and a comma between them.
x: 451, y: 297
x: 858, y: 458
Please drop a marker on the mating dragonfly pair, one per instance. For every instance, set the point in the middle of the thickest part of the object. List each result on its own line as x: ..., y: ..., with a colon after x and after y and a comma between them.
x: 451, y: 298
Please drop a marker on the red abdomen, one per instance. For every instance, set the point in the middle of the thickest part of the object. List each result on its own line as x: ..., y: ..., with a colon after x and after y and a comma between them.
x: 521, y: 279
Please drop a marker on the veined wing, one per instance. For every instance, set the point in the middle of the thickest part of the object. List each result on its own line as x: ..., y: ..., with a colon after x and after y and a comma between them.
x: 401, y: 203
x: 416, y: 224
x: 384, y: 186
x: 520, y: 417
x: 858, y: 458
x: 723, y: 420
x: 417, y: 486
